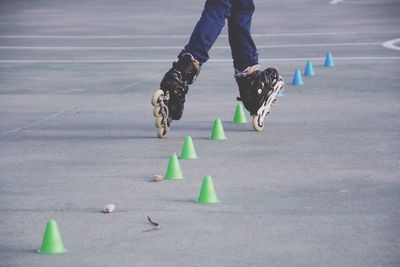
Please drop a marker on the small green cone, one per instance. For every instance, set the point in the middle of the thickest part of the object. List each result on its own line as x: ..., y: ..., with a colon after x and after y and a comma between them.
x: 174, y: 171
x: 52, y: 242
x: 217, y: 131
x: 240, y: 116
x: 188, y: 151
x: 207, y: 193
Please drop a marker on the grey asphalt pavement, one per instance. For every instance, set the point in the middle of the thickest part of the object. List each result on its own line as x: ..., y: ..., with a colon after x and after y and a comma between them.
x: 320, y: 186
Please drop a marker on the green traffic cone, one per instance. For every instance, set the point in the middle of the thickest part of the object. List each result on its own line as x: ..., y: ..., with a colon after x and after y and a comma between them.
x: 52, y: 242
x: 207, y: 193
x: 174, y: 171
x: 240, y: 116
x: 217, y: 131
x: 188, y: 151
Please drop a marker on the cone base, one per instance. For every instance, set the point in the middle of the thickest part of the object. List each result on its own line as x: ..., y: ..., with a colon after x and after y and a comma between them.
x: 189, y: 158
x: 55, y: 252
x: 216, y: 139
x: 174, y: 178
x: 211, y: 202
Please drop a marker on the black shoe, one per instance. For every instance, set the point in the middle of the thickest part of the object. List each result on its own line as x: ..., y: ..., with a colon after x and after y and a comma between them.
x: 168, y: 101
x: 176, y: 83
x: 258, y: 91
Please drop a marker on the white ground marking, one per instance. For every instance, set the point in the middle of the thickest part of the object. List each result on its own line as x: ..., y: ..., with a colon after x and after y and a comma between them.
x: 72, y: 107
x: 99, y: 61
x: 391, y: 44
x: 171, y: 47
x: 183, y: 36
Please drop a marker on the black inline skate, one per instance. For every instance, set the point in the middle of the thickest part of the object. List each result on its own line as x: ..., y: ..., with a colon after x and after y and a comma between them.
x: 258, y: 91
x: 168, y: 101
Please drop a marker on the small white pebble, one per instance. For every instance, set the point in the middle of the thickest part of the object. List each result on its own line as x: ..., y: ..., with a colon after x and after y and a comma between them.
x: 158, y: 178
x: 109, y: 208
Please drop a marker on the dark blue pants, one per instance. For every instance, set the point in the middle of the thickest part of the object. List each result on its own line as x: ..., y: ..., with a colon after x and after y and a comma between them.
x: 212, y: 20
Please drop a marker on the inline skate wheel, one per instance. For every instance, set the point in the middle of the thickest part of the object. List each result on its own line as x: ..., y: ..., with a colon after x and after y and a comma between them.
x: 155, y: 99
x: 158, y: 122
x: 156, y: 111
x: 257, y: 124
x: 161, y: 132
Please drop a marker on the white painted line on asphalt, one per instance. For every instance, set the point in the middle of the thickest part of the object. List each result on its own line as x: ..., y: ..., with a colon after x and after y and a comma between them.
x: 335, y: 58
x: 391, y: 44
x: 92, y: 47
x: 183, y: 36
x: 29, y: 125
x: 172, y: 47
x: 95, y: 61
